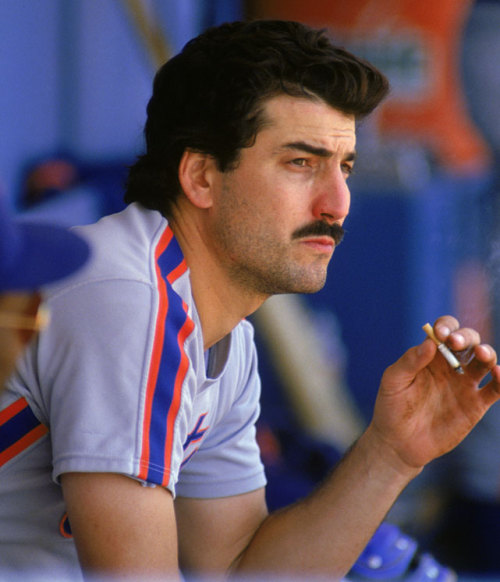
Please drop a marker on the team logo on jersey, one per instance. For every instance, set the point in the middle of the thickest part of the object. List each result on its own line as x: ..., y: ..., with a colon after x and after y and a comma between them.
x: 195, y: 436
x: 64, y: 527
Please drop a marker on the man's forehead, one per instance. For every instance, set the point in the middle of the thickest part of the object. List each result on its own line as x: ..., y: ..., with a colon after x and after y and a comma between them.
x: 285, y: 112
x: 295, y: 119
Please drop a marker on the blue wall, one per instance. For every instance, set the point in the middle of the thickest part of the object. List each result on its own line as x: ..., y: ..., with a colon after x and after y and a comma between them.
x: 76, y: 77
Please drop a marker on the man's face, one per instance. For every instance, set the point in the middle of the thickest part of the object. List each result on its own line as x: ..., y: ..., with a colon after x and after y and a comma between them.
x: 272, y: 214
x: 17, y: 326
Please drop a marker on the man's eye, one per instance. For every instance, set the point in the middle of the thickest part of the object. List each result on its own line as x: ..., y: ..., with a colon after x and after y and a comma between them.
x: 301, y: 162
x: 347, y: 169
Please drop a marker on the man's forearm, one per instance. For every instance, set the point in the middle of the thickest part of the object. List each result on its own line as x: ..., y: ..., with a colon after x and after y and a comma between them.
x: 326, y: 532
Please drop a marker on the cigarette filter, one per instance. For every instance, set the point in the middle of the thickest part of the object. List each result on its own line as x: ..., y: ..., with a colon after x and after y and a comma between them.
x: 448, y: 355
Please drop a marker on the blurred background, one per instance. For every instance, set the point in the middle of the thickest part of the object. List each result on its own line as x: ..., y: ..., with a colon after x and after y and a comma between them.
x: 422, y: 237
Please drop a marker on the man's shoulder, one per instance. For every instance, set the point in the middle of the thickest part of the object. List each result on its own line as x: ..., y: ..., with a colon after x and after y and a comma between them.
x: 134, y: 224
x: 123, y: 247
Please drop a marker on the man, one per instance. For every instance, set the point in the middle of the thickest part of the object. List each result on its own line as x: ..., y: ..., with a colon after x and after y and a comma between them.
x: 31, y: 255
x: 147, y: 378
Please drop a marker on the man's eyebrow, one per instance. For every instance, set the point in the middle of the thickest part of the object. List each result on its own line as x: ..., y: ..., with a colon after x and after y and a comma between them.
x: 315, y: 150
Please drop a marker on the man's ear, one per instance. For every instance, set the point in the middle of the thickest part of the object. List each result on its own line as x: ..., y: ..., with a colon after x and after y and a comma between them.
x: 196, y: 177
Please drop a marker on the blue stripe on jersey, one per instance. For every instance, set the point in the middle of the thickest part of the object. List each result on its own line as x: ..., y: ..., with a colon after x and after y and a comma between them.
x: 166, y: 396
x: 17, y: 427
x: 171, y: 258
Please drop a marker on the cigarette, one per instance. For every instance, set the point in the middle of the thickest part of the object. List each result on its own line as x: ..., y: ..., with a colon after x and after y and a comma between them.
x: 448, y: 355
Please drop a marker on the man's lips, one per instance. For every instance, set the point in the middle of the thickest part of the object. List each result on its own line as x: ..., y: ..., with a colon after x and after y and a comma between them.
x: 323, y: 243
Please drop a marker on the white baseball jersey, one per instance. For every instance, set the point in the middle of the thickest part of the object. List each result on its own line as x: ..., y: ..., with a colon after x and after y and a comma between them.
x: 119, y: 382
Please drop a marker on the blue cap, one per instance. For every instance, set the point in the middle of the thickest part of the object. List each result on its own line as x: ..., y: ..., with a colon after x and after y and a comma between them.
x: 35, y: 254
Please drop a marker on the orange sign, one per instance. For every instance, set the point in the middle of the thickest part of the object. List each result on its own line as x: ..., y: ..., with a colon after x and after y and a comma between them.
x: 417, y: 44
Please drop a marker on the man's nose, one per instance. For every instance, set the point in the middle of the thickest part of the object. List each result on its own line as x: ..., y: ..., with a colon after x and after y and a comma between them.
x: 333, y: 199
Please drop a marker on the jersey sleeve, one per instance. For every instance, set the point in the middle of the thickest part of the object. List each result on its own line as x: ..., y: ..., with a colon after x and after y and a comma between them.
x: 91, y: 367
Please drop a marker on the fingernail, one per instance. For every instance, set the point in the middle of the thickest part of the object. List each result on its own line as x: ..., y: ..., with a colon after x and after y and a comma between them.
x: 444, y: 330
x: 488, y: 350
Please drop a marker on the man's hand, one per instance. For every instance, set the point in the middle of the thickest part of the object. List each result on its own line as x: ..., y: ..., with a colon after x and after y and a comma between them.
x: 424, y: 408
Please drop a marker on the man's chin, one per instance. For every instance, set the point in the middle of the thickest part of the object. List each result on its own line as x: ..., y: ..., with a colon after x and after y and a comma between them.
x: 310, y: 285
x: 312, y: 289
x: 305, y: 280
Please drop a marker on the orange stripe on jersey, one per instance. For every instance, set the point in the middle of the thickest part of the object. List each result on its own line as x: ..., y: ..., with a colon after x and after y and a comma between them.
x: 19, y: 429
x: 23, y: 443
x: 184, y: 332
x: 177, y: 272
x: 168, y: 366
x: 156, y: 353
x: 11, y: 410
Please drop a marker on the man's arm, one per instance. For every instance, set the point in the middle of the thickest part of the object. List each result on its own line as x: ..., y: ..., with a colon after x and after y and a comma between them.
x: 119, y: 525
x: 323, y: 534
x: 214, y: 532
x: 423, y: 410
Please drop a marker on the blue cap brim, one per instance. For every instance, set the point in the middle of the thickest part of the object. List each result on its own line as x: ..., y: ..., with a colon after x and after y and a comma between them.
x: 45, y: 254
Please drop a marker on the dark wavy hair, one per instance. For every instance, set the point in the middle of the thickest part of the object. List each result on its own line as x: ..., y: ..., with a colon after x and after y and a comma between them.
x: 210, y: 97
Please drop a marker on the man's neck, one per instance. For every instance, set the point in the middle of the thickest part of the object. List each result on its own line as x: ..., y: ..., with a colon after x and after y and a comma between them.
x: 220, y: 301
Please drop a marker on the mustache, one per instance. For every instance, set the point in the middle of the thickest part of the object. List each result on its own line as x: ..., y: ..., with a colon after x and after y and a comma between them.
x: 334, y: 231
